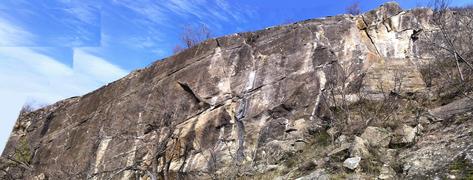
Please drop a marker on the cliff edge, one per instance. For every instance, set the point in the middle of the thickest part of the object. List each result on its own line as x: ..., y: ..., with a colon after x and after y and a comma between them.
x: 334, y: 97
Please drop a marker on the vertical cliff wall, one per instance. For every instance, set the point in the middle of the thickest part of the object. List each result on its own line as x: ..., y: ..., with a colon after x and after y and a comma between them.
x: 231, y: 105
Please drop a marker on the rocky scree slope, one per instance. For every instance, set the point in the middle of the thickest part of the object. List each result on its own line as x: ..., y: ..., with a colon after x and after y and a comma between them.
x: 335, y: 97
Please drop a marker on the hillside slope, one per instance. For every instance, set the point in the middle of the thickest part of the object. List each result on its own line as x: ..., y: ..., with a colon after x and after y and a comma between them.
x: 335, y: 97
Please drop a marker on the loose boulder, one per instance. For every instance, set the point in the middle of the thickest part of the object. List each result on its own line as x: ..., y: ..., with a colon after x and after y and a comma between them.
x: 376, y: 136
x: 359, y: 148
x: 352, y: 163
x: 404, y: 135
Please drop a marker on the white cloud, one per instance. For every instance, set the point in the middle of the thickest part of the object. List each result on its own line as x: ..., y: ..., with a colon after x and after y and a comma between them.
x: 90, y: 66
x: 153, y: 12
x: 26, y: 71
x: 207, y: 11
x: 85, y: 13
x: 28, y: 74
x: 14, y: 35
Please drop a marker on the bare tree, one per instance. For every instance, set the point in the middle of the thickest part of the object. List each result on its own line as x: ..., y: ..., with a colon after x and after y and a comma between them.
x: 26, y: 108
x: 451, y: 71
x: 31, y: 106
x: 340, y: 92
x: 193, y: 35
x: 177, y: 49
x: 348, y: 107
x: 354, y: 9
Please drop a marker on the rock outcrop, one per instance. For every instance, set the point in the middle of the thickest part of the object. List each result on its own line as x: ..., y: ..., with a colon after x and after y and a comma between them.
x: 244, y: 105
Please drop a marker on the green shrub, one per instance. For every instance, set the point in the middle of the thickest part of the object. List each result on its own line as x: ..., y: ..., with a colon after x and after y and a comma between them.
x: 22, y: 151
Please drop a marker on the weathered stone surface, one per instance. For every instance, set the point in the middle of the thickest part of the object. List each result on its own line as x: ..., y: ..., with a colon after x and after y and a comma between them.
x: 266, y: 168
x: 438, y: 149
x: 456, y: 107
x: 389, y: 156
x: 40, y: 177
x: 342, y: 139
x: 376, y: 136
x: 359, y: 147
x: 235, y: 104
x: 387, y: 172
x: 343, y: 147
x: 318, y: 174
x: 352, y: 163
x: 404, y: 135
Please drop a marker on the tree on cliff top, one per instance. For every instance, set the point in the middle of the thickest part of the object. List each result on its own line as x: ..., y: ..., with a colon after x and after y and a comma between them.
x: 192, y: 35
x: 354, y: 9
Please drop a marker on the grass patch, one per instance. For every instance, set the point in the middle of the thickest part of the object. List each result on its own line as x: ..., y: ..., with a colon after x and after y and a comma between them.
x: 339, y: 176
x: 290, y: 159
x: 322, y: 138
x: 371, y: 164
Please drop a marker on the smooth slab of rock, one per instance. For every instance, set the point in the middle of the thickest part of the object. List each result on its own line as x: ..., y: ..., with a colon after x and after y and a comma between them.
x: 456, y: 107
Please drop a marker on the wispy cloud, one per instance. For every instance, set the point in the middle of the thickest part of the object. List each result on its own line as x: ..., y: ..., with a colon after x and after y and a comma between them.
x: 26, y: 73
x: 85, y: 13
x: 14, y: 35
x: 206, y: 11
x: 89, y: 66
x: 155, y: 25
x: 59, y: 25
x: 29, y: 73
x: 152, y: 11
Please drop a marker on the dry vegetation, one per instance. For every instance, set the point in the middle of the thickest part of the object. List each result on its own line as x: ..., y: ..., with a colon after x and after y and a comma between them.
x: 191, y: 36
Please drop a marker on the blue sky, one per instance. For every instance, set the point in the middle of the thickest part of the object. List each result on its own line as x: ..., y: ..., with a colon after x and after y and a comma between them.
x: 54, y: 49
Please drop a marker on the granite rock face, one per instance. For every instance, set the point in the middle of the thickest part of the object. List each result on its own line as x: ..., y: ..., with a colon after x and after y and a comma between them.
x: 226, y: 105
